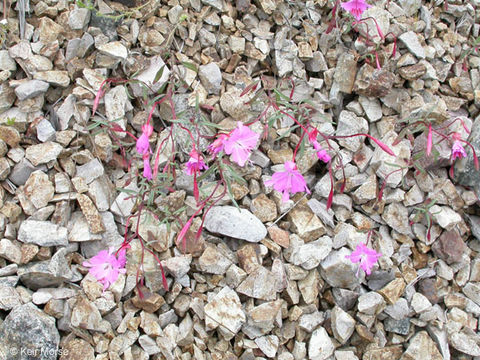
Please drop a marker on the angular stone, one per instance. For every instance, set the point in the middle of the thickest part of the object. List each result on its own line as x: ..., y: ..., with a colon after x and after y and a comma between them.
x: 259, y: 285
x: 225, y: 311
x: 309, y: 255
x: 348, y: 124
x: 371, y: 303
x: 445, y: 216
x: 211, y: 78
x: 31, y: 89
x: 373, y: 82
x: 411, y: 41
x: 77, y: 349
x: 343, y: 325
x: 39, y: 189
x: 213, y: 261
x: 320, y: 345
x: 43, y: 153
x: 10, y: 251
x: 78, y: 18
x: 305, y: 223
x: 393, y: 290
x: 28, y: 333
x: 114, y: 49
x: 229, y: 221
x: 94, y: 220
x: 53, y: 77
x: 339, y: 271
x: 264, y: 208
x: 345, y: 72
x: 42, y: 233
x: 449, y: 247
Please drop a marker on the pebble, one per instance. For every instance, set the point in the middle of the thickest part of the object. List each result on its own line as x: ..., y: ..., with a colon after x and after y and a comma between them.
x: 31, y: 89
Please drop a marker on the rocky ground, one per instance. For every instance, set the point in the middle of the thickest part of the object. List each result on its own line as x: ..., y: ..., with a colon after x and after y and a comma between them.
x: 271, y: 281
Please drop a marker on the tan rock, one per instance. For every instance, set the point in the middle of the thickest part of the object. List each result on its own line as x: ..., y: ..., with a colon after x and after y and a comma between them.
x: 94, y: 219
x: 393, y: 290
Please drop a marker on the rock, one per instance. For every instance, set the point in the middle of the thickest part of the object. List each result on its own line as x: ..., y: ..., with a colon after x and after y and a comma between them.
x: 343, y: 325
x: 421, y: 347
x: 6, y: 61
x: 445, y: 216
x: 373, y: 82
x: 45, y: 131
x: 268, y: 345
x: 211, y: 78
x: 229, y: 221
x: 79, y: 18
x: 213, y: 261
x: 371, y: 303
x: 420, y: 303
x: 264, y: 208
x: 339, y: 271
x: 320, y: 345
x: 309, y: 255
x: 225, y: 311
x: 150, y: 302
x: 28, y: 333
x: 148, y: 76
x: 94, y: 220
x: 114, y: 49
x: 401, y: 327
x: 449, y: 247
x: 393, y: 290
x: 472, y: 290
x: 10, y: 251
x: 39, y: 189
x: 178, y: 266
x: 31, y: 89
x: 53, y: 77
x: 411, y: 41
x: 86, y: 316
x: 42, y: 233
x: 464, y: 343
x: 259, y: 285
x: 348, y: 124
x: 396, y: 216
x: 345, y: 72
x: 123, y: 203
x: 43, y: 153
x: 305, y: 223
x: 9, y: 298
x: 77, y: 349
x: 233, y: 104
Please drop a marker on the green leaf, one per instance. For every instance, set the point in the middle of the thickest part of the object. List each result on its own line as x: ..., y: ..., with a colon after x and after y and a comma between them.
x: 159, y: 74
x: 190, y: 66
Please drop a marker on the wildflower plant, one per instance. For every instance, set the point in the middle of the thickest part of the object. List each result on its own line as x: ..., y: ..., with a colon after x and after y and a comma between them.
x: 213, y: 155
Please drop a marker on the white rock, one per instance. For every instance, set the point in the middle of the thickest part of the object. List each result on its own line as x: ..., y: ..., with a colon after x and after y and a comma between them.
x: 320, y: 346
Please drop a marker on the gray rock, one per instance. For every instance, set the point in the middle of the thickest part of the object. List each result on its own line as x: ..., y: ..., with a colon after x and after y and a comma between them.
x: 372, y: 108
x: 400, y: 327
x: 10, y: 250
x: 396, y: 216
x: 39, y: 189
x: 464, y: 343
x: 472, y: 290
x: 224, y: 311
x: 309, y: 255
x: 43, y: 153
x: 45, y: 131
x: 31, y: 89
x: 42, y: 233
x: 348, y: 124
x: 29, y: 334
x: 178, y: 266
x: 339, y: 271
x: 114, y: 49
x: 445, y: 216
x: 411, y: 41
x: 116, y: 105
x: 320, y: 345
x: 6, y: 61
x: 211, y: 78
x: 229, y: 221
x: 343, y: 324
x: 310, y: 322
x: 345, y: 298
x: 371, y: 303
x: 90, y: 171
x: 320, y: 209
x: 110, y: 238
x: 410, y: 7
x: 9, y: 298
x: 259, y: 284
x: 217, y: 4
x: 49, y: 273
x: 268, y: 345
x: 78, y: 229
x: 79, y: 18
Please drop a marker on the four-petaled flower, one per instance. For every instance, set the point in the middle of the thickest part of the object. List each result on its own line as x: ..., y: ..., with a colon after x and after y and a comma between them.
x: 240, y: 144
x: 288, y: 181
x: 356, y: 7
x: 195, y: 163
x: 365, y: 256
x: 105, y: 266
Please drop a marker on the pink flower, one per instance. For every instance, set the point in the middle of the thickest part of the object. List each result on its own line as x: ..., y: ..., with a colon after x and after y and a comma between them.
x: 147, y: 170
x: 143, y: 145
x: 429, y: 140
x: 240, y: 143
x: 105, y: 266
x: 323, y: 155
x: 195, y: 163
x: 458, y: 150
x: 365, y: 256
x: 288, y: 181
x: 217, y: 145
x: 356, y: 7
